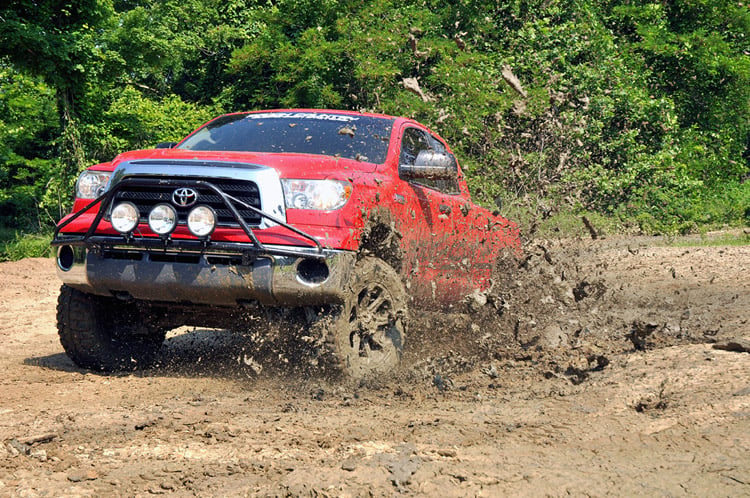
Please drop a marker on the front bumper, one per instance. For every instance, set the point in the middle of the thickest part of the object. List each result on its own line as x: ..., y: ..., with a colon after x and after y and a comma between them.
x: 180, y: 268
x: 220, y: 278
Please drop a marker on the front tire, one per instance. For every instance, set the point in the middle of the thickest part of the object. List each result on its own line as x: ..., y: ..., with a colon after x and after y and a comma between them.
x: 104, y: 334
x: 366, y: 335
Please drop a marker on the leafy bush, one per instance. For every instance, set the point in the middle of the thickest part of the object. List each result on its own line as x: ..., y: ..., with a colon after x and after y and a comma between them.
x: 27, y: 163
x: 134, y: 121
x: 25, y: 246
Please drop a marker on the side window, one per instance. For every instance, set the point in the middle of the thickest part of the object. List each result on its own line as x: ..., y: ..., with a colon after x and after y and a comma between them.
x: 415, y: 140
x: 437, y: 145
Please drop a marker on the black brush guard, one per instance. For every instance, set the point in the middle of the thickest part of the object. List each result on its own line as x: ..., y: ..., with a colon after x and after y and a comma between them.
x: 92, y: 241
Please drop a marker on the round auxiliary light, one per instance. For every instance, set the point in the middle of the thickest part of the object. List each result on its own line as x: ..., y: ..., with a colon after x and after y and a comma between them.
x: 125, y: 217
x: 201, y: 221
x: 162, y: 219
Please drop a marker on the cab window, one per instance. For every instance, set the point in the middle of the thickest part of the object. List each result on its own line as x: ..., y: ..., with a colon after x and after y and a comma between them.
x: 413, y: 142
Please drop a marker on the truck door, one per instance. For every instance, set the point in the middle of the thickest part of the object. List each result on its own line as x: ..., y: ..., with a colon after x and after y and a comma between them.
x: 435, y: 202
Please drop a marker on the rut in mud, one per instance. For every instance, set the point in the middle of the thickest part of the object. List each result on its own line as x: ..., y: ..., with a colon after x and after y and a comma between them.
x: 592, y: 366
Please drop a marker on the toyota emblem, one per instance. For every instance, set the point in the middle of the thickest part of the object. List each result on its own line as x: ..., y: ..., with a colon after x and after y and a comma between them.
x: 184, y: 197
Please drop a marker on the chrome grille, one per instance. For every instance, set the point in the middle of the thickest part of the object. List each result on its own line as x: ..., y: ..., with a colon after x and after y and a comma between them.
x: 145, y: 197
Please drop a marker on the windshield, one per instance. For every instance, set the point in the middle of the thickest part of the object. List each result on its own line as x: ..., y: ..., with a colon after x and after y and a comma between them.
x: 363, y: 138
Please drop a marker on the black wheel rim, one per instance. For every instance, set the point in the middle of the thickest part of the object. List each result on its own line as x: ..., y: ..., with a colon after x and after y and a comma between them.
x: 372, y: 325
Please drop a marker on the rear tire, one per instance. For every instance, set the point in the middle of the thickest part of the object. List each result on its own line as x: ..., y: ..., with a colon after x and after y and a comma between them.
x: 104, y: 334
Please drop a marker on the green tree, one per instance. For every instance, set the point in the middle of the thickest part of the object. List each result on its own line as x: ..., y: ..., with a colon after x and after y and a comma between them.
x: 57, y: 41
x: 28, y: 126
x: 697, y: 54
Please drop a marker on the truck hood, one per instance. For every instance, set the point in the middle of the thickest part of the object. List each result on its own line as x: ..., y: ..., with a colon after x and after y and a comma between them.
x: 287, y: 165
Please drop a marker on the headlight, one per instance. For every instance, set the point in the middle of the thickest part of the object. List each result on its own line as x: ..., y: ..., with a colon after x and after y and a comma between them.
x: 201, y: 221
x: 162, y: 219
x: 125, y: 217
x: 92, y: 184
x: 324, y: 195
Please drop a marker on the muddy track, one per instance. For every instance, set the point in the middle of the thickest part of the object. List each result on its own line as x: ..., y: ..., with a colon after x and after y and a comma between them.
x: 613, y: 366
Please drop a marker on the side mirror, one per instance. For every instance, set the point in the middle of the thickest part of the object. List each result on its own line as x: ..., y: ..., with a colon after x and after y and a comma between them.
x: 165, y: 145
x: 430, y: 165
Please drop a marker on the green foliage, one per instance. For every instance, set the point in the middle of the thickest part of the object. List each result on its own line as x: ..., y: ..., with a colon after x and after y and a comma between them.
x: 293, y: 61
x: 54, y: 39
x: 730, y: 238
x: 132, y: 120
x: 696, y: 51
x: 180, y: 47
x: 28, y: 124
x: 635, y: 112
x: 25, y: 246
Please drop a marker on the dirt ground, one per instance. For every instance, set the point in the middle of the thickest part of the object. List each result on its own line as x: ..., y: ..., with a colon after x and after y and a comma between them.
x: 598, y: 367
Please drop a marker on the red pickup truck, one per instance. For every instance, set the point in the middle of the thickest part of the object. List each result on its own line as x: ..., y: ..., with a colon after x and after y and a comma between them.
x: 346, y: 218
